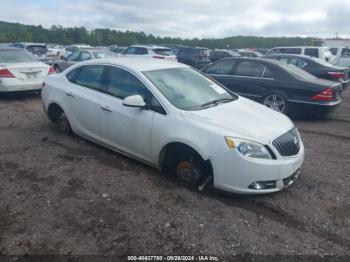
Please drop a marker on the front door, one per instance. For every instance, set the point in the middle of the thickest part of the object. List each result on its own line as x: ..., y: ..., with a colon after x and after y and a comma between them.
x: 126, y: 128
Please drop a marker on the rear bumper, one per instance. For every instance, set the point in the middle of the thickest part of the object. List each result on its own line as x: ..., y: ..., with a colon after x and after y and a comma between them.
x: 19, y: 88
x: 313, y: 108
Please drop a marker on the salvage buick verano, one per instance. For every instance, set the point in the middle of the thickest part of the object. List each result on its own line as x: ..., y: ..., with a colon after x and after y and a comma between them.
x: 175, y: 118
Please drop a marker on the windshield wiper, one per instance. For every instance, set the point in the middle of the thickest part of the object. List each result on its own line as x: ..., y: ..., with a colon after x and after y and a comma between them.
x: 217, y: 101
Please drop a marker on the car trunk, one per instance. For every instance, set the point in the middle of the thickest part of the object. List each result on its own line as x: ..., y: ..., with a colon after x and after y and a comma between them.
x: 28, y: 72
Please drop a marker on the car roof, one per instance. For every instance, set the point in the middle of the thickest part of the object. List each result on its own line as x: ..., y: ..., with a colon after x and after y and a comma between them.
x: 305, y: 46
x: 253, y: 59
x: 6, y: 48
x: 30, y: 43
x: 151, y: 46
x: 290, y: 55
x: 138, y: 63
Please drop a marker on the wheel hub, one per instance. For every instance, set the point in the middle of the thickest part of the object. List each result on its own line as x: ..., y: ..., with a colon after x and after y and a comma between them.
x: 184, y: 170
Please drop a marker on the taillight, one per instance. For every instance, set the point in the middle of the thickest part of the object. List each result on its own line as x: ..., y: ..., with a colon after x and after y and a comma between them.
x: 5, y: 73
x: 326, y: 95
x: 51, y: 70
x: 337, y: 75
x: 159, y: 57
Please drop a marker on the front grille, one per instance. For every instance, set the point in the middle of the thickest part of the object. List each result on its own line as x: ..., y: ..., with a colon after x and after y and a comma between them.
x: 288, y: 144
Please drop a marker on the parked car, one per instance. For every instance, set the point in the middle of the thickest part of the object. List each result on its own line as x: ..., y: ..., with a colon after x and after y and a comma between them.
x: 82, y: 55
x: 342, y: 55
x: 320, y: 52
x: 249, y: 53
x: 74, y: 48
x: 38, y: 50
x: 153, y: 51
x: 218, y: 54
x: 194, y: 56
x: 317, y: 67
x: 21, y: 71
x: 55, y: 51
x: 173, y: 117
x: 117, y: 49
x: 275, y: 84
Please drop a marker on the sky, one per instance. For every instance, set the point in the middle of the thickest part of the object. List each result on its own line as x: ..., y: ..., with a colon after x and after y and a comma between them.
x: 189, y: 18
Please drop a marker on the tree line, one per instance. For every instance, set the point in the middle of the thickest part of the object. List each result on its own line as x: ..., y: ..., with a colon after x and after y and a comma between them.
x: 15, y: 32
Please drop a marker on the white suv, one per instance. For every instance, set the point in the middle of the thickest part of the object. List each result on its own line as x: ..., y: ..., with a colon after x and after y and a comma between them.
x: 150, y: 51
x: 173, y: 117
x: 320, y: 52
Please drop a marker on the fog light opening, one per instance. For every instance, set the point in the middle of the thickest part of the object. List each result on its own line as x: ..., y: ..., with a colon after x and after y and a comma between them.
x: 259, y: 185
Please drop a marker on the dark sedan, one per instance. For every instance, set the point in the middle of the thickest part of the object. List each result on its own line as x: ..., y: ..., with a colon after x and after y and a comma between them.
x: 316, y: 67
x: 284, y: 88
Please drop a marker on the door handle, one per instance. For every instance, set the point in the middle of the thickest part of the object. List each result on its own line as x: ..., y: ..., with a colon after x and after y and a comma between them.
x: 106, y: 108
x: 69, y: 94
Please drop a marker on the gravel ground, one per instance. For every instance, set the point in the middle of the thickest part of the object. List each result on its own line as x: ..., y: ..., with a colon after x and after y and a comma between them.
x: 62, y: 195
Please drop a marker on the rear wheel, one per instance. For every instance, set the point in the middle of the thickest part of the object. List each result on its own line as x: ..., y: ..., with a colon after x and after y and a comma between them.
x: 276, y: 102
x: 64, y: 125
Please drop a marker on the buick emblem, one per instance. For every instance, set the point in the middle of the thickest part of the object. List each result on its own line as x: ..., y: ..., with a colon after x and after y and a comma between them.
x: 295, y: 140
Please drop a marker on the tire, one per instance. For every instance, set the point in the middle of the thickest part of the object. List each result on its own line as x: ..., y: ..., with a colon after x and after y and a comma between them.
x: 63, y: 124
x: 277, y: 102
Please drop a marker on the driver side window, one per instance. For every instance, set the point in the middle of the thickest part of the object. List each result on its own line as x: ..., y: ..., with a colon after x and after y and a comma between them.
x: 74, y: 56
x: 122, y: 84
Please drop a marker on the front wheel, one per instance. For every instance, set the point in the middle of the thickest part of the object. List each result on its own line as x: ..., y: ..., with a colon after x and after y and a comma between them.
x: 276, y: 102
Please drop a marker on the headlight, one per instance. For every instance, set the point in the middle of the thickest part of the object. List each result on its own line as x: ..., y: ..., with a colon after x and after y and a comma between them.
x: 248, y: 148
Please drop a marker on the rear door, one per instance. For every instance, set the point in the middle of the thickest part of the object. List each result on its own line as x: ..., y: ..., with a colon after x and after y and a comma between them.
x: 252, y: 79
x: 85, y: 95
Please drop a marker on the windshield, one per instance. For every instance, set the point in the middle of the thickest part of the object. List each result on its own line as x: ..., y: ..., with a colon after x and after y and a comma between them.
x: 298, y: 73
x: 104, y: 54
x: 163, y: 51
x: 188, y: 89
x: 10, y: 56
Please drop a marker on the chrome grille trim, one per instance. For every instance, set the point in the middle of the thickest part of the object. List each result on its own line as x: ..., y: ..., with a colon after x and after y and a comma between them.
x: 288, y: 144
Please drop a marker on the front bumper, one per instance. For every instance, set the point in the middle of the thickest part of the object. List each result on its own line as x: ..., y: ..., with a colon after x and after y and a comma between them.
x: 236, y: 173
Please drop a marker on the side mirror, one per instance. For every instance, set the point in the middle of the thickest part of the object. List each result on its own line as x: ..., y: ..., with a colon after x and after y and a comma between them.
x: 134, y: 101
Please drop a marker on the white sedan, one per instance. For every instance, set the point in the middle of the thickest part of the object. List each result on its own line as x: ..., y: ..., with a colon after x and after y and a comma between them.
x: 21, y: 71
x: 173, y: 117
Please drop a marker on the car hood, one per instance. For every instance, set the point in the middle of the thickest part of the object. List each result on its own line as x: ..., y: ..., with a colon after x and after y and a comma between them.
x: 242, y: 118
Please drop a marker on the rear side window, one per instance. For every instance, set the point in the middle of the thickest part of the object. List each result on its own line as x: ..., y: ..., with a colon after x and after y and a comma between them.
x: 345, y: 52
x: 267, y: 73
x: 90, y: 76
x: 221, y: 68
x: 130, y: 51
x: 72, y: 75
x: 311, y: 52
x: 122, y: 84
x: 74, y: 56
x: 251, y: 69
x: 84, y: 56
x: 297, y: 62
x: 141, y: 51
